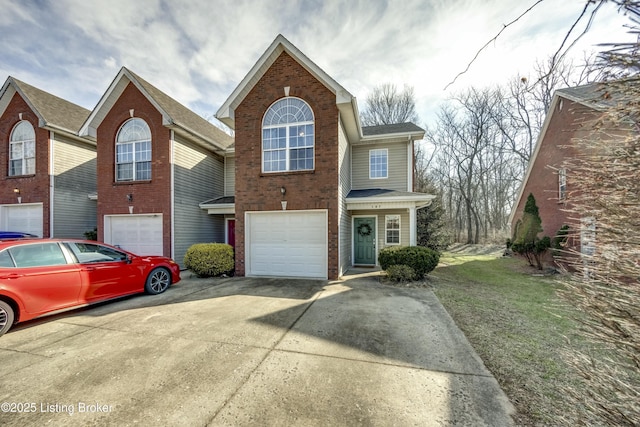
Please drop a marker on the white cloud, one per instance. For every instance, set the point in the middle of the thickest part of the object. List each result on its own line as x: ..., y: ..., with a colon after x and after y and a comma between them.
x: 197, y: 51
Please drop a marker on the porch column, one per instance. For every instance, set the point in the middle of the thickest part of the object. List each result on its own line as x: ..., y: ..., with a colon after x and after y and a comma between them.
x: 413, y: 230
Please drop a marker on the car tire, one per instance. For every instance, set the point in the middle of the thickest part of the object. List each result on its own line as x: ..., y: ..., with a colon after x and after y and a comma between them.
x: 158, y: 281
x: 6, y: 317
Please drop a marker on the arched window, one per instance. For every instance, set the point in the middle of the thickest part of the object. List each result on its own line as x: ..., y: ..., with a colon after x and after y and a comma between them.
x: 288, y: 136
x: 133, y: 151
x: 22, y: 150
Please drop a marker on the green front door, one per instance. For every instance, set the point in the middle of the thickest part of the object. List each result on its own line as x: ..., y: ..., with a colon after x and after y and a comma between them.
x: 364, y: 236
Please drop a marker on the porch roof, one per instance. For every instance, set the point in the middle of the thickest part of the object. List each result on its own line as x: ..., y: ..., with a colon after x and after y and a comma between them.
x: 381, y: 198
x: 219, y: 205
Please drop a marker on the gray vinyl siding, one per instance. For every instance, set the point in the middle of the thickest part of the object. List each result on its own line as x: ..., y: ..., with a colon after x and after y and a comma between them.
x: 74, y: 178
x: 380, y: 232
x: 198, y: 176
x: 230, y: 176
x: 343, y: 189
x: 397, y: 167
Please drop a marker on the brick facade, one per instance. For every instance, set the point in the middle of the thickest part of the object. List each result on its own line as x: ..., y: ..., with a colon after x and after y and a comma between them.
x: 33, y: 188
x: 151, y: 196
x: 317, y: 189
x: 556, y: 146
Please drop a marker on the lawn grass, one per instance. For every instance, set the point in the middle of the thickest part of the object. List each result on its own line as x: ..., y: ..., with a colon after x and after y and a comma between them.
x: 519, y: 326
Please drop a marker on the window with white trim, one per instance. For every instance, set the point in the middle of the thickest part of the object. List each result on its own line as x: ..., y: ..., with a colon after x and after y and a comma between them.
x: 288, y: 136
x: 22, y: 149
x: 392, y: 229
x: 379, y: 163
x: 133, y: 151
x: 562, y: 184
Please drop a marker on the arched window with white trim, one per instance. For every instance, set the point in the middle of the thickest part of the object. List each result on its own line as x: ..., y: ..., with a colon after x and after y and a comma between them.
x: 133, y: 151
x: 288, y: 136
x: 22, y: 149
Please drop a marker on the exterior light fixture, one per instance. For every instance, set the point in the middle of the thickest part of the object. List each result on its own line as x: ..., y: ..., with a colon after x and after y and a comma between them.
x: 16, y: 191
x: 283, y: 191
x: 130, y: 197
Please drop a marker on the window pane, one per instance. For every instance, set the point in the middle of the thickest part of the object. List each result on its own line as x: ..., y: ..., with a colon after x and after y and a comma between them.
x: 143, y: 171
x: 15, y: 167
x: 16, y: 150
x: 124, y: 153
x: 29, y: 149
x: 143, y: 151
x: 30, y: 166
x: 124, y: 172
x: 38, y: 255
x: 378, y: 164
x: 5, y: 259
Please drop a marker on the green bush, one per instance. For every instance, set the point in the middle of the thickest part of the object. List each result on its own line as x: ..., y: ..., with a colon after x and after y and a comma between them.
x: 209, y: 259
x: 422, y: 260
x: 401, y: 273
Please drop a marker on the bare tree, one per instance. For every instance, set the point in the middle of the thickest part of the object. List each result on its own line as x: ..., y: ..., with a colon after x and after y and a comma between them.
x: 387, y: 105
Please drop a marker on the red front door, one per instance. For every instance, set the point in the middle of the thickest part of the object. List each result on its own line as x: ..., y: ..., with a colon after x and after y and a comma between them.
x: 231, y: 232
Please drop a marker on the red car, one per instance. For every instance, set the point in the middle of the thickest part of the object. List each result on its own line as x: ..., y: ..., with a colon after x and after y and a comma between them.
x: 46, y: 275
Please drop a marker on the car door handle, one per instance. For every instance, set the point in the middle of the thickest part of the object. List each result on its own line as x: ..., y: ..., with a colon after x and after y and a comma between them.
x: 11, y: 276
x: 88, y: 268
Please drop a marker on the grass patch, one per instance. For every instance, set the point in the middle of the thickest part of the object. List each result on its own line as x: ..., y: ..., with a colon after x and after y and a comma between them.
x: 518, y: 325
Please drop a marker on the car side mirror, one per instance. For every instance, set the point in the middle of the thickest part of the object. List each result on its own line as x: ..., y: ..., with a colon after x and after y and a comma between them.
x: 129, y: 259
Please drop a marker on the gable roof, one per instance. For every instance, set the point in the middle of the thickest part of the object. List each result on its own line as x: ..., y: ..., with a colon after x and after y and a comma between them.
x: 599, y: 96
x: 53, y: 112
x: 345, y: 101
x: 602, y: 95
x: 174, y: 114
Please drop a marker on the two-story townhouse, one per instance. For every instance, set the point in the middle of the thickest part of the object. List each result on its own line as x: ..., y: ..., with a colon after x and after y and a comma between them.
x: 570, y: 117
x: 314, y: 192
x: 157, y: 160
x: 47, y: 171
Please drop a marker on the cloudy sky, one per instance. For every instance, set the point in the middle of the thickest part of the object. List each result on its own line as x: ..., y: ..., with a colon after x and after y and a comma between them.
x: 197, y: 51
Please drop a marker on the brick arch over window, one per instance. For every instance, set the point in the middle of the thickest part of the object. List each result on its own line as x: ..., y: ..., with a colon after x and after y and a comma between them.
x: 133, y: 151
x: 22, y: 149
x: 288, y: 136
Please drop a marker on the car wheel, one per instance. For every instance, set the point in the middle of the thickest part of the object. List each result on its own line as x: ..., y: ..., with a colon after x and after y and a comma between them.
x: 158, y: 281
x: 6, y: 317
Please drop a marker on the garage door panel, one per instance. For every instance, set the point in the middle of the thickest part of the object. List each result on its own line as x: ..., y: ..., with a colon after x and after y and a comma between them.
x: 140, y: 234
x: 25, y: 218
x: 289, y: 244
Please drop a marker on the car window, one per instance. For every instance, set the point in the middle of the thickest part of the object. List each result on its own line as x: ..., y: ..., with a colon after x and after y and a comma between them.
x: 38, y: 255
x: 5, y: 259
x: 90, y: 252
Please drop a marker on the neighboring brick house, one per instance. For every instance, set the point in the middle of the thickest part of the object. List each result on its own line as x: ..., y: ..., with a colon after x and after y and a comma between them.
x: 547, y: 178
x: 157, y: 160
x: 314, y: 192
x: 47, y: 171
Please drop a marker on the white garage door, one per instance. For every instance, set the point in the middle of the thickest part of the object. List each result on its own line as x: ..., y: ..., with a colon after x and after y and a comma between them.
x: 140, y: 234
x: 287, y: 244
x: 26, y: 218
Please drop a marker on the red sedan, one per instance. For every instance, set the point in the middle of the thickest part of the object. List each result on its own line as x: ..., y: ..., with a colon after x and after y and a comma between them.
x: 46, y: 275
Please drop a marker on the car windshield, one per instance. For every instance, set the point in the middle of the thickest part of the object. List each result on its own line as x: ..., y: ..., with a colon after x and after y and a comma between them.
x: 89, y: 252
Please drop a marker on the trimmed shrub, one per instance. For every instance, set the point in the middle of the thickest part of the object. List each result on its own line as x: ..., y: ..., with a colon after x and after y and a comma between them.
x: 209, y: 259
x: 400, y: 273
x: 422, y: 260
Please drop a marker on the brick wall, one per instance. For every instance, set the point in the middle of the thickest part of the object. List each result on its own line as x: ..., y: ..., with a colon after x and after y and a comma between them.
x: 316, y: 189
x: 148, y: 196
x: 564, y: 125
x: 33, y: 188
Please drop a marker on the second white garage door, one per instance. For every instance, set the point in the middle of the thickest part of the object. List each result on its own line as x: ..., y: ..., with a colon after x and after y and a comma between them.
x: 140, y: 234
x: 286, y: 244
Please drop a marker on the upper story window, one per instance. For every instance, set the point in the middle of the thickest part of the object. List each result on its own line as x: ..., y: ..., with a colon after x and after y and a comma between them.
x: 288, y: 136
x: 562, y: 184
x: 22, y: 150
x: 379, y: 163
x: 133, y: 151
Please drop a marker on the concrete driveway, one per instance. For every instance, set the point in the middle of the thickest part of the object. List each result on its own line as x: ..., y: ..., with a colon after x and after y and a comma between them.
x: 241, y: 351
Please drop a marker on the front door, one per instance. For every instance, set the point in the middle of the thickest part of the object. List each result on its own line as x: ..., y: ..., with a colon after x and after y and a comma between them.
x: 364, y: 237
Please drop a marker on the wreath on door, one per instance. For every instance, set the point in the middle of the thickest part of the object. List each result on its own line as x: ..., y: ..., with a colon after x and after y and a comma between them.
x: 364, y: 230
